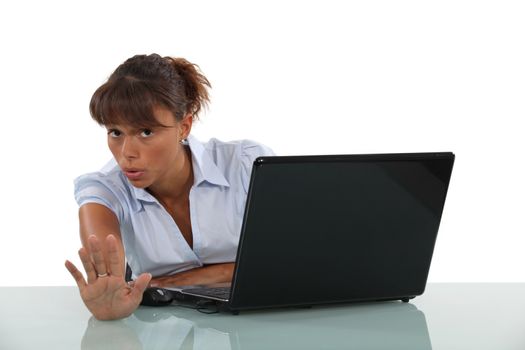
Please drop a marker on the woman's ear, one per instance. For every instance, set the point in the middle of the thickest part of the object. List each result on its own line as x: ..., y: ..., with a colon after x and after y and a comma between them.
x: 185, y: 126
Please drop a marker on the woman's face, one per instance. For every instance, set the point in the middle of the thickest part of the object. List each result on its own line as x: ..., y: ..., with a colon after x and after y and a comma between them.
x: 149, y: 156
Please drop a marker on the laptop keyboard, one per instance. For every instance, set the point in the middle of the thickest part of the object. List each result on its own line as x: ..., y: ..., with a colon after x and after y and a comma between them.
x: 220, y: 292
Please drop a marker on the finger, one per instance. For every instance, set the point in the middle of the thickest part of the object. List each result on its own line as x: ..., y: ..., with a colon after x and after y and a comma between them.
x: 113, y: 257
x: 141, y: 283
x: 88, y: 265
x: 77, y: 275
x: 97, y: 255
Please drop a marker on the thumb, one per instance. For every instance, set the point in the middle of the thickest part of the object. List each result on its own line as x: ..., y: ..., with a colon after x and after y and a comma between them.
x: 141, y: 283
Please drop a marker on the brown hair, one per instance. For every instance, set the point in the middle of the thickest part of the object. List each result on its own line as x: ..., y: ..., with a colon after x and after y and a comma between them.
x: 144, y: 82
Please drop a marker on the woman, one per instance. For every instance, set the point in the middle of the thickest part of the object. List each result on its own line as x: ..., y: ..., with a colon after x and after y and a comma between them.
x: 168, y: 205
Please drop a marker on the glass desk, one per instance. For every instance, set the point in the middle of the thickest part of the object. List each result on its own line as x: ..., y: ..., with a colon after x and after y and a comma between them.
x: 448, y: 316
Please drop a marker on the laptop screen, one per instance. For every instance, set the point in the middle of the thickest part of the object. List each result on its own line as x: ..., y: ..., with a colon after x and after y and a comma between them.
x: 322, y: 229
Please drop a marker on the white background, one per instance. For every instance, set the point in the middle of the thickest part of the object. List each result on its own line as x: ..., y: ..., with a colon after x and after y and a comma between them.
x: 305, y: 77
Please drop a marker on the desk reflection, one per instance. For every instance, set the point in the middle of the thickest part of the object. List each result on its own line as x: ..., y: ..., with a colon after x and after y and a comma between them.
x: 387, y: 325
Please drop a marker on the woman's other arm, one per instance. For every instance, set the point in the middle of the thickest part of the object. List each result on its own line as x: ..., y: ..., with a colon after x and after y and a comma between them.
x: 208, y: 274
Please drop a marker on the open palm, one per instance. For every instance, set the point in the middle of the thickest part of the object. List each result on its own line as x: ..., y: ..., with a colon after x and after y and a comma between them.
x: 106, y: 293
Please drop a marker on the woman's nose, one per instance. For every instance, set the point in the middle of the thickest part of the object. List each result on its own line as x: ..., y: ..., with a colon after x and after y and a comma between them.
x: 129, y: 148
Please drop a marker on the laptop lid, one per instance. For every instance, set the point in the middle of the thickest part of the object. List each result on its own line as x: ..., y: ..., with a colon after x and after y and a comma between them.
x: 339, y: 228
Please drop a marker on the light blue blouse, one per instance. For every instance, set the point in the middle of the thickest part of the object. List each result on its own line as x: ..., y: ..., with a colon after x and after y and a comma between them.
x: 152, y: 241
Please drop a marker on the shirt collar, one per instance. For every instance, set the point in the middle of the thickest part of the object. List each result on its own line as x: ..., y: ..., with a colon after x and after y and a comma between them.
x: 204, y: 170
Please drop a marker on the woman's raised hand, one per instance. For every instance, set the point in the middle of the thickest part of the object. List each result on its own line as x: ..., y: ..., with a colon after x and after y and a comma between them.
x: 106, y: 293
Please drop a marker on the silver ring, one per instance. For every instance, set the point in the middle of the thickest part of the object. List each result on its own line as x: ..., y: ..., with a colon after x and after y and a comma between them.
x: 102, y: 274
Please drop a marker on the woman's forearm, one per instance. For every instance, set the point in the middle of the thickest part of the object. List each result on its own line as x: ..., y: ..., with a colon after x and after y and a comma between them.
x: 215, y: 273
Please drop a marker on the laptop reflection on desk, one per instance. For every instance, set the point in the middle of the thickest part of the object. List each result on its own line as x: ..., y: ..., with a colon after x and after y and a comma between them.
x: 389, y: 325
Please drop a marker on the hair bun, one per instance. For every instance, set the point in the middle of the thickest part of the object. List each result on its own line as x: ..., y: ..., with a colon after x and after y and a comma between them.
x: 195, y: 84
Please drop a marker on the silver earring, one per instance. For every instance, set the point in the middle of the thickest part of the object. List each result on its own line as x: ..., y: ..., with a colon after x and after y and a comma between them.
x: 183, y: 142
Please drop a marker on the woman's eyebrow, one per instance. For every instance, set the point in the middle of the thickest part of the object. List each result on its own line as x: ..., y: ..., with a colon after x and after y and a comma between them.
x: 128, y: 130
x: 134, y: 129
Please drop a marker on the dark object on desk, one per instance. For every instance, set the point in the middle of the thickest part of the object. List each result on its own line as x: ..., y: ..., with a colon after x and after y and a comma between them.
x: 334, y: 229
x: 154, y: 296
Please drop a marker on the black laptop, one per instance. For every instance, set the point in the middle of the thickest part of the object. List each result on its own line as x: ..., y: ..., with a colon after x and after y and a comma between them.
x: 335, y: 229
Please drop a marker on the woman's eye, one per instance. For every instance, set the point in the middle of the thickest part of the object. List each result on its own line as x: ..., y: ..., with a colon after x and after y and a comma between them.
x: 114, y: 133
x: 146, y: 133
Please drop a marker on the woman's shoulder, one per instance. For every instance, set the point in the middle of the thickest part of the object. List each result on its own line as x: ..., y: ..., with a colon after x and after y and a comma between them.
x: 106, y: 186
x: 108, y: 176
x: 244, y: 148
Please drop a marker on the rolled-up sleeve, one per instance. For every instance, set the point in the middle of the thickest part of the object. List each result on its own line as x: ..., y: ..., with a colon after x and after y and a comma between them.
x: 91, y: 188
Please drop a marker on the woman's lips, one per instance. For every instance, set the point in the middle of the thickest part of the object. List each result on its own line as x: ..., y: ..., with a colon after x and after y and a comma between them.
x: 133, y: 174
